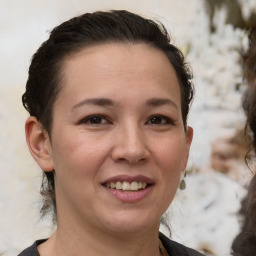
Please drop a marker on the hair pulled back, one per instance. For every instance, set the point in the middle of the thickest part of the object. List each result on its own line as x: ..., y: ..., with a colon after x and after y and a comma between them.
x: 44, y: 76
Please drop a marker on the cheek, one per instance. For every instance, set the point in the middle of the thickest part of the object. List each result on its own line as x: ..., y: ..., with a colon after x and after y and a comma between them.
x: 171, y: 154
x: 76, y: 163
x: 170, y: 162
x: 79, y: 153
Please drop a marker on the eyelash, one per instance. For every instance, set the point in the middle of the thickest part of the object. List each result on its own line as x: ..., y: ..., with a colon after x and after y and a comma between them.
x: 167, y: 120
x: 97, y: 118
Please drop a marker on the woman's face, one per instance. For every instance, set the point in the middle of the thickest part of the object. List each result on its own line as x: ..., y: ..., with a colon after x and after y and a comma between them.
x: 118, y: 143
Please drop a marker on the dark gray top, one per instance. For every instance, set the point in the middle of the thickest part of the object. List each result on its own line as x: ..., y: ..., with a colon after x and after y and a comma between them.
x: 172, y: 248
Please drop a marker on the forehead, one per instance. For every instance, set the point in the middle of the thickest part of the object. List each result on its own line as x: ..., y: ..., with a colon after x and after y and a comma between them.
x: 130, y: 54
x: 113, y: 66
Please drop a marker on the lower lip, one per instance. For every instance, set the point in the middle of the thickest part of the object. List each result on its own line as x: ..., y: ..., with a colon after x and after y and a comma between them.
x: 130, y: 197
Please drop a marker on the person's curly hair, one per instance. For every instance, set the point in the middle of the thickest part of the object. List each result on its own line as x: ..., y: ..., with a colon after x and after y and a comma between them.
x: 245, y: 242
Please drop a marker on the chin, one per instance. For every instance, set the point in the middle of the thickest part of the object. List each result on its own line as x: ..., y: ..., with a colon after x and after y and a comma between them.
x: 130, y: 224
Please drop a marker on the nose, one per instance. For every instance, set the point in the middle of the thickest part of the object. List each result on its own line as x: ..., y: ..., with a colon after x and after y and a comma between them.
x: 130, y: 145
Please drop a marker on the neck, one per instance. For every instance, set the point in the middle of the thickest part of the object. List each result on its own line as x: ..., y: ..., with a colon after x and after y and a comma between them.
x: 70, y: 241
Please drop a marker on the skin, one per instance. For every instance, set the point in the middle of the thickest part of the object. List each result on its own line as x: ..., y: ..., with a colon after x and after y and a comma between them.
x: 136, y: 130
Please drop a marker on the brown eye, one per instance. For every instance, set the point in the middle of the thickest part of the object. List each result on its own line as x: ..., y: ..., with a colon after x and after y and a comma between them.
x: 160, y: 120
x: 95, y: 120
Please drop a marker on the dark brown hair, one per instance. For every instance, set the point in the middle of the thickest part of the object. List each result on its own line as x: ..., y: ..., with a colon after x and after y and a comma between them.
x: 44, y: 79
x: 245, y: 242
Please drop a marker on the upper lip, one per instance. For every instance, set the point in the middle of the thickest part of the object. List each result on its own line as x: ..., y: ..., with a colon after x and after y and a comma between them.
x: 129, y: 178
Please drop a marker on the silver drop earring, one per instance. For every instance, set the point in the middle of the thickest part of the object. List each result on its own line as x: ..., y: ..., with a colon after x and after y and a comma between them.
x: 183, y: 182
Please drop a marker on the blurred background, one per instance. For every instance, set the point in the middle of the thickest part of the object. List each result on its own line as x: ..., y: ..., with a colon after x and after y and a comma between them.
x: 212, y: 34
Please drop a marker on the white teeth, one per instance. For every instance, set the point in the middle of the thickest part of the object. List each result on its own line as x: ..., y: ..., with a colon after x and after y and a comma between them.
x: 134, y: 186
x: 119, y: 185
x: 127, y: 186
x: 112, y: 185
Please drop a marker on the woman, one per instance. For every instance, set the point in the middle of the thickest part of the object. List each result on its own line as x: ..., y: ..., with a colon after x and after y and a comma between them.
x: 245, y: 242
x: 108, y: 97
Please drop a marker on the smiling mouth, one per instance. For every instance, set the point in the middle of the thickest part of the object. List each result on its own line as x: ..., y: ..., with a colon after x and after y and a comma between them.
x: 127, y: 186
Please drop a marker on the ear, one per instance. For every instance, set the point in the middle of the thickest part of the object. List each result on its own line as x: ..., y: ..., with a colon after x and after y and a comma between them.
x: 39, y: 144
x: 189, y: 138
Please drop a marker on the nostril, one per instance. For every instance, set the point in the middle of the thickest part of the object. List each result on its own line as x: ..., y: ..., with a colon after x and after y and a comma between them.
x: 131, y: 160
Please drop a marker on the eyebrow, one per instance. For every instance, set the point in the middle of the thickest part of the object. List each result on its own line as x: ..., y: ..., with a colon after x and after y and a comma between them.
x: 94, y: 101
x: 154, y: 102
